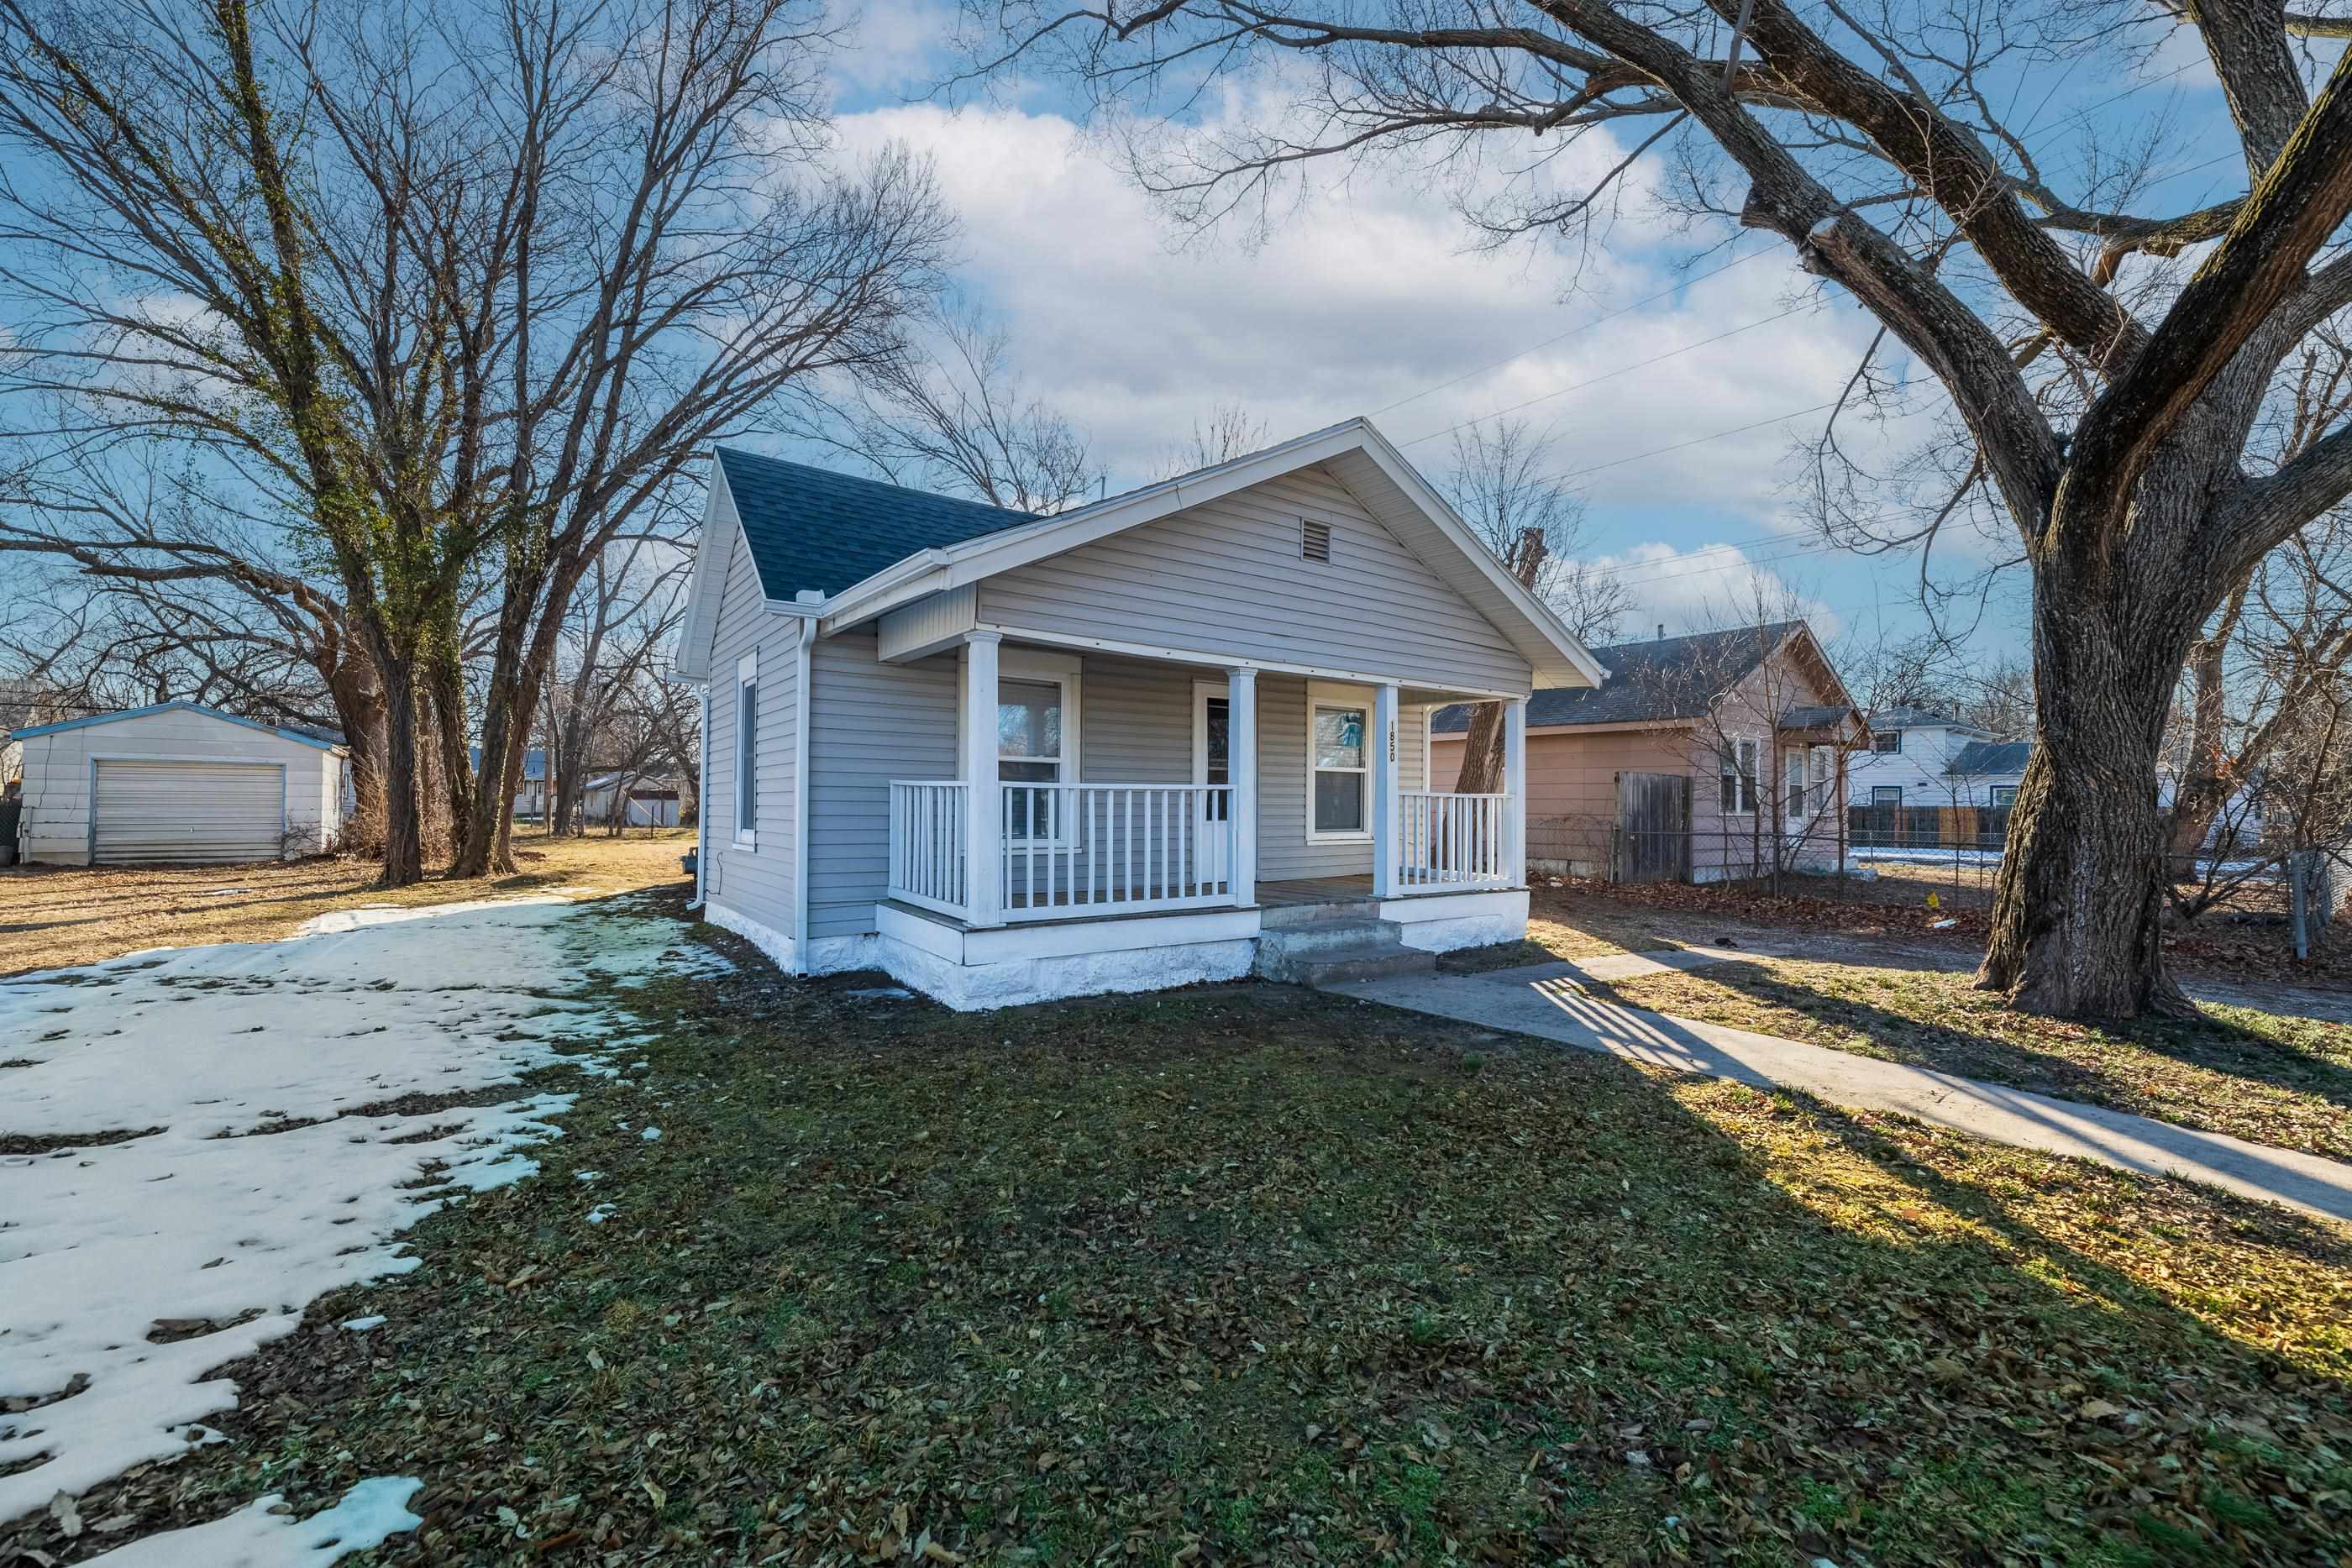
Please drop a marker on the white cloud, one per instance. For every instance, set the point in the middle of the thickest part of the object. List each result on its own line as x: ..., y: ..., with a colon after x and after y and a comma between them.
x: 1365, y: 295
x: 1720, y: 584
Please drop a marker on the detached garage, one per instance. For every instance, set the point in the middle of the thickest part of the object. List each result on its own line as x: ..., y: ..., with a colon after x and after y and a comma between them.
x: 177, y: 782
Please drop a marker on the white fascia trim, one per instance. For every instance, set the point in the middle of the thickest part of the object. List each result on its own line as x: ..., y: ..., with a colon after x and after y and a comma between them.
x: 955, y: 565
x: 695, y: 637
x: 1212, y: 660
x: 1406, y: 478
x: 802, y: 705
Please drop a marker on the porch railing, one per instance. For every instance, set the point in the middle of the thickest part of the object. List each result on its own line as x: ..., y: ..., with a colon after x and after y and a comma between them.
x: 926, y: 840
x: 1453, y: 841
x: 1116, y: 848
x: 1068, y: 849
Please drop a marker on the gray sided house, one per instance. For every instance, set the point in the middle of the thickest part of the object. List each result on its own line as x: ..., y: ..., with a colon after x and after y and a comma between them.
x: 1171, y: 737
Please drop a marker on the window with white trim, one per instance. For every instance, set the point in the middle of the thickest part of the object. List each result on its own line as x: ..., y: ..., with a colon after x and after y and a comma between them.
x: 2003, y: 797
x: 1735, y: 778
x: 1338, y: 765
x: 1792, y: 785
x: 1036, y: 736
x: 1886, y: 742
x: 746, y: 750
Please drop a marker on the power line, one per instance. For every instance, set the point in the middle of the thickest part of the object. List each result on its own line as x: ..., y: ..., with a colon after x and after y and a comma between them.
x: 1621, y: 369
x: 1572, y: 331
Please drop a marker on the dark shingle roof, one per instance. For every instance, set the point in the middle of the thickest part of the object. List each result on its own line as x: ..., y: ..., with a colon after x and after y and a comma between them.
x: 1661, y: 678
x: 812, y: 528
x: 1916, y: 719
x: 1981, y: 757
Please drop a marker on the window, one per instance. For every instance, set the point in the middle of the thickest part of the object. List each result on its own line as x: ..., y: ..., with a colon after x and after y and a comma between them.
x: 1886, y: 795
x: 1337, y: 758
x: 746, y: 750
x: 1792, y: 785
x: 2004, y: 795
x: 1036, y: 736
x: 1820, y: 777
x: 1887, y: 742
x: 1737, y: 770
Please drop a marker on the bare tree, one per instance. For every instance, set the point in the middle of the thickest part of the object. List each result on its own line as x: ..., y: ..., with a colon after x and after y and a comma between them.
x: 627, y: 614
x: 1502, y: 486
x: 465, y: 289
x: 958, y: 420
x: 1228, y: 432
x: 2106, y: 399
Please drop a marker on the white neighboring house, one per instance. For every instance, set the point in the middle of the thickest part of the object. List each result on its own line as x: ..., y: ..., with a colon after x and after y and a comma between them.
x: 1918, y: 759
x: 177, y: 782
x: 652, y: 800
x: 1162, y: 738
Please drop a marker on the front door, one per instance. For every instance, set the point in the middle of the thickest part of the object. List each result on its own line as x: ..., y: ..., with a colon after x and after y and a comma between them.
x: 1211, y: 764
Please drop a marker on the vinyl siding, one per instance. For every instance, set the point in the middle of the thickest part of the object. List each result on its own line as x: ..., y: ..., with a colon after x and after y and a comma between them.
x: 755, y: 882
x: 1226, y: 578
x: 54, y: 829
x: 869, y: 723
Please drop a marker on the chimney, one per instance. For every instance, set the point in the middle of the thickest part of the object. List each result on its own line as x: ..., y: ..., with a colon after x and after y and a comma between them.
x: 1662, y: 631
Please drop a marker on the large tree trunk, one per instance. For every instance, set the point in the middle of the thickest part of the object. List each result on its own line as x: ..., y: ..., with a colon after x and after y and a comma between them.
x: 404, y: 846
x: 2079, y: 901
x: 359, y: 708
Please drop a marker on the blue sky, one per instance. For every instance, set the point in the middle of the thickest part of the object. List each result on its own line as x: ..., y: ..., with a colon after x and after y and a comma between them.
x: 1369, y: 299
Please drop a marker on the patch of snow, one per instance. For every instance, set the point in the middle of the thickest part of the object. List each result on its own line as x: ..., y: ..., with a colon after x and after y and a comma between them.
x: 224, y: 892
x: 236, y: 1209
x: 336, y: 921
x: 587, y: 1175
x: 368, y: 1515
x: 651, y: 1134
x: 600, y: 1213
x: 882, y: 994
x: 361, y: 1325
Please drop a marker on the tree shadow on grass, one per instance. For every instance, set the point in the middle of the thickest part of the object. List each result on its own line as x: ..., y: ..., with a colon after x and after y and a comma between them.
x: 2097, y: 1064
x: 1251, y: 1274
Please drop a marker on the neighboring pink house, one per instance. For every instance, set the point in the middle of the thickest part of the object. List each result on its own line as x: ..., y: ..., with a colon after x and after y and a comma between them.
x: 1702, y: 757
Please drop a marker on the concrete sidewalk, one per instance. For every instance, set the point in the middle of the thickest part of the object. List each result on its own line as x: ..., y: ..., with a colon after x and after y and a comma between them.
x: 1547, y: 1001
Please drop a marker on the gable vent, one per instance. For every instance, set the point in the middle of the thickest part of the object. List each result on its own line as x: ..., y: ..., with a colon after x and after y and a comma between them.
x: 1315, y: 539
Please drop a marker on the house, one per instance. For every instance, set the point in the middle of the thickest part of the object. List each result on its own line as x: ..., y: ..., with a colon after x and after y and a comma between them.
x: 646, y: 801
x: 1919, y: 757
x: 1704, y: 756
x: 1169, y: 737
x: 178, y: 782
x: 536, y: 791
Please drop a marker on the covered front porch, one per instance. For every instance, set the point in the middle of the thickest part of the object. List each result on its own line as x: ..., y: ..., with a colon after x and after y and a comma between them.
x: 1064, y: 808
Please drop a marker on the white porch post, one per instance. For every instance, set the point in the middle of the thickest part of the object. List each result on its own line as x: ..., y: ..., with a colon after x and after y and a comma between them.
x: 983, y: 793
x: 1514, y: 780
x: 1384, y: 792
x: 1240, y: 768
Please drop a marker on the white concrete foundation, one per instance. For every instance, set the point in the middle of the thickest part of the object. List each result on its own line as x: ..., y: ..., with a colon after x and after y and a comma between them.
x: 1443, y: 922
x: 1012, y: 966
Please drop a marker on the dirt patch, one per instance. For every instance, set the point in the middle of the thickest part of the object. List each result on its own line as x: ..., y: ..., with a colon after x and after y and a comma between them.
x: 55, y: 916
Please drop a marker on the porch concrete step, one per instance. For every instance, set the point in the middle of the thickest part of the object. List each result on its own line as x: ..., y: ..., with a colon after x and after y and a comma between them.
x: 1338, y: 966
x: 1287, y: 916
x: 1337, y: 930
x: 1338, y: 945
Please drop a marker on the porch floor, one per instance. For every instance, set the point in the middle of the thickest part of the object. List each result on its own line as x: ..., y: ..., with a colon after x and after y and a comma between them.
x: 1305, y: 891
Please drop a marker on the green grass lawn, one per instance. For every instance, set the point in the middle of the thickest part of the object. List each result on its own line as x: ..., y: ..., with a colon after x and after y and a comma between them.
x: 1254, y: 1275
x: 2268, y: 1077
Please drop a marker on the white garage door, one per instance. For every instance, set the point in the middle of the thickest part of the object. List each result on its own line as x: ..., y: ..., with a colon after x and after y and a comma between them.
x: 188, y: 811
